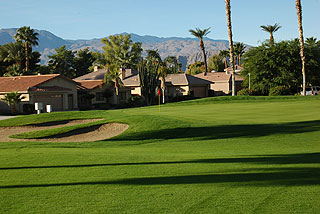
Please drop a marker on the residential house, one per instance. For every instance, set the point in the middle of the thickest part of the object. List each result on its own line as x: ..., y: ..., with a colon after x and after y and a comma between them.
x: 221, y: 82
x: 53, y: 89
x: 92, y: 84
x: 182, y: 84
x: 176, y: 84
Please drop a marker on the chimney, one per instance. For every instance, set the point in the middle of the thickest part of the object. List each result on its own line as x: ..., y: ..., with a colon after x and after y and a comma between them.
x: 122, y: 73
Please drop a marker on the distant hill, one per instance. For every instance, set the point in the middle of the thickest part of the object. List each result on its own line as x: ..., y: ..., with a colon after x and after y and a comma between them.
x: 186, y: 49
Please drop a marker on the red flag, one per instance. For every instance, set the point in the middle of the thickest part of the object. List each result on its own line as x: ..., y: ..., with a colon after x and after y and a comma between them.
x: 159, y: 92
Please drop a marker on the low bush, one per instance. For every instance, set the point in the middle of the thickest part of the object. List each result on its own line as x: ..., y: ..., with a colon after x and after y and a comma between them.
x: 28, y: 108
x: 279, y: 90
x: 136, y: 101
x: 247, y: 92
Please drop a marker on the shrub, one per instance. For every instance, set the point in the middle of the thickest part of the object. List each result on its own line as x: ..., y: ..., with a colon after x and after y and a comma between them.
x: 191, y: 93
x: 136, y: 101
x: 101, y: 106
x: 28, y: 108
x: 181, y: 98
x: 247, y: 92
x: 211, y: 93
x: 279, y: 90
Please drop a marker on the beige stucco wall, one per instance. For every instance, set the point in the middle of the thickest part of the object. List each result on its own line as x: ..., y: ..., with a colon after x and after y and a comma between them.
x: 221, y: 86
x: 111, y: 100
x: 65, y: 84
x: 173, y: 91
x: 136, y: 91
x: 200, y: 91
x: 99, y: 90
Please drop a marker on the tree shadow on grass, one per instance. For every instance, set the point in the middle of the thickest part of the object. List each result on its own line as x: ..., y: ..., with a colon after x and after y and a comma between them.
x: 301, y: 158
x: 277, y: 177
x: 50, y: 123
x: 290, y: 175
x: 222, y: 132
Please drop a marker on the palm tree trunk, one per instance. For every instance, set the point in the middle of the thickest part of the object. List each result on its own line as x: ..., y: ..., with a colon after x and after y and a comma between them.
x: 117, y: 93
x: 271, y: 39
x: 302, y: 54
x: 163, y: 86
x: 27, y: 58
x: 228, y: 12
x: 163, y: 96
x: 13, y: 109
x: 204, y: 56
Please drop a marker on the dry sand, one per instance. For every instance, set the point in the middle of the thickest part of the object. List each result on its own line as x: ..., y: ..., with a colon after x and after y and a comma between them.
x: 93, y: 133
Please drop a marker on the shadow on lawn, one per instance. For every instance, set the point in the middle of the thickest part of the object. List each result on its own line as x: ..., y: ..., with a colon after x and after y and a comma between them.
x: 302, y: 158
x: 271, y: 176
x: 277, y: 177
x: 51, y: 123
x: 223, y: 132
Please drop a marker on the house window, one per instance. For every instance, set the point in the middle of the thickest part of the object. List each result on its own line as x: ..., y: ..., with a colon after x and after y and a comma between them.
x: 99, y: 96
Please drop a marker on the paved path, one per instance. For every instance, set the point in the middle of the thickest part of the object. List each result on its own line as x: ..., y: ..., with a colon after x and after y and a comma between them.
x: 5, y: 117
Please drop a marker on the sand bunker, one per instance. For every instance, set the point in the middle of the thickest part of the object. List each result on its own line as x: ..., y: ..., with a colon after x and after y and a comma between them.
x: 93, y: 133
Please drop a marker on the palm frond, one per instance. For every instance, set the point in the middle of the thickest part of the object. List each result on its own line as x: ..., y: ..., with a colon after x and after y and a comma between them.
x: 200, y: 33
x: 271, y: 28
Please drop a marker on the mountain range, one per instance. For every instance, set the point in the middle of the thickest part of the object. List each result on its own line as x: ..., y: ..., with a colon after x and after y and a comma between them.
x: 187, y: 50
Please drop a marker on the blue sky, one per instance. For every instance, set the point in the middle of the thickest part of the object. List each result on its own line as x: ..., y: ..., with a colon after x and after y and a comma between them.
x: 83, y: 19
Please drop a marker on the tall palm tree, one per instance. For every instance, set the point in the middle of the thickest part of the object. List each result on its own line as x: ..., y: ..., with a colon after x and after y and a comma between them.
x: 200, y: 34
x: 239, y: 50
x: 163, y: 72
x: 228, y: 12
x: 225, y: 54
x: 14, y: 57
x: 271, y: 29
x: 30, y: 38
x: 12, y: 99
x: 113, y: 76
x: 302, y: 54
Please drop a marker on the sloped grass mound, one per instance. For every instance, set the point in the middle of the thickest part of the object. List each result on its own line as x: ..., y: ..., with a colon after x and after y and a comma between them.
x: 77, y: 131
x: 247, y: 99
x: 91, y: 133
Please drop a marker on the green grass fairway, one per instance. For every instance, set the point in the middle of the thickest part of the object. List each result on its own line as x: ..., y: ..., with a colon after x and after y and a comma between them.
x: 215, y: 155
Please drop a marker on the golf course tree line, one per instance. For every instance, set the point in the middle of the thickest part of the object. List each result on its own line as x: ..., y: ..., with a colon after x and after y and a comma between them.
x: 275, y: 68
x: 18, y: 58
x: 277, y: 84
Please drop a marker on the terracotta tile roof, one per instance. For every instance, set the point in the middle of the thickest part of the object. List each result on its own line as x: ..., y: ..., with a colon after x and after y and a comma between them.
x: 96, y: 75
x: 132, y: 81
x: 218, y: 77
x: 49, y: 88
x: 215, y: 77
x: 99, y: 75
x: 185, y: 79
x: 90, y: 84
x: 23, y: 83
